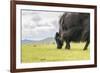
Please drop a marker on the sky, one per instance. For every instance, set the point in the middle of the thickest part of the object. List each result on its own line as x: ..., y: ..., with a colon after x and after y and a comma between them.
x: 39, y: 25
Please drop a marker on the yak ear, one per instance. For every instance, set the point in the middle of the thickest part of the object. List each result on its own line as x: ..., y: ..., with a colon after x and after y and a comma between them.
x: 57, y: 34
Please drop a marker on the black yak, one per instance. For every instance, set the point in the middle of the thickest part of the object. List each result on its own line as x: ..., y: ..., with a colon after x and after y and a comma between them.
x: 73, y: 27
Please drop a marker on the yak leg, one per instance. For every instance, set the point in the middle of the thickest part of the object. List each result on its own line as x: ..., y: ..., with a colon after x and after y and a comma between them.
x: 67, y: 45
x: 87, y: 43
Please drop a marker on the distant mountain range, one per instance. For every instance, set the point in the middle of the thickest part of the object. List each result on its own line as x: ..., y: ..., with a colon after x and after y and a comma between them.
x: 47, y: 40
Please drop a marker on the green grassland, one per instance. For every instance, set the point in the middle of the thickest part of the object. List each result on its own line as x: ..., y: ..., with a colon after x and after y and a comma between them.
x: 49, y: 52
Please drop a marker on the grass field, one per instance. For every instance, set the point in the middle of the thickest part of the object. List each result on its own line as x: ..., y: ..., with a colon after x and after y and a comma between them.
x: 49, y: 52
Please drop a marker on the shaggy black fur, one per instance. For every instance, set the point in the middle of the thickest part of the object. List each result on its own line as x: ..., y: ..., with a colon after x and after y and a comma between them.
x: 74, y: 27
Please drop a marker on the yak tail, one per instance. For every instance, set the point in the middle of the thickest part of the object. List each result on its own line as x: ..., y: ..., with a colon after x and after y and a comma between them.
x: 85, y: 36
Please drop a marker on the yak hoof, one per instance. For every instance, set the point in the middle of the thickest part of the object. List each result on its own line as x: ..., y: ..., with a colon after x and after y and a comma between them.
x: 85, y: 49
x: 68, y: 48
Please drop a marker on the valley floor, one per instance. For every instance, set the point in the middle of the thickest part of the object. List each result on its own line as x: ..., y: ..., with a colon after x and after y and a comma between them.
x: 49, y: 52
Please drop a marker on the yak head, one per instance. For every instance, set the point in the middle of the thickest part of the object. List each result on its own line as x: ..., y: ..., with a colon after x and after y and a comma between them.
x: 58, y: 40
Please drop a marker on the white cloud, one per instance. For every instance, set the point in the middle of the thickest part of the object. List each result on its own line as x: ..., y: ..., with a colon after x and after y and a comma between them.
x: 38, y: 25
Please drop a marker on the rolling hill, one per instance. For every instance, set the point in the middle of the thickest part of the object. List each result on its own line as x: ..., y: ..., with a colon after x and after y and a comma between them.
x: 47, y: 40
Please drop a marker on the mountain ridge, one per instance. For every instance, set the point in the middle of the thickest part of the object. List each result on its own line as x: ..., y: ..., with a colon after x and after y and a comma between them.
x: 46, y: 40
